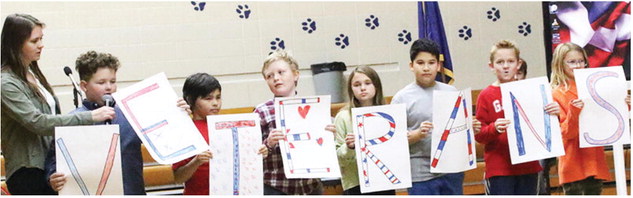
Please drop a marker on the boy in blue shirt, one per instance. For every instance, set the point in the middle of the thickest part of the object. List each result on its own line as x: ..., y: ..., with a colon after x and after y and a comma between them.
x: 97, y: 72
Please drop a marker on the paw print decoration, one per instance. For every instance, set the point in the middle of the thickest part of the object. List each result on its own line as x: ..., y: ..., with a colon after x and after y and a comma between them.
x: 198, y: 6
x: 309, y: 25
x: 493, y: 14
x: 243, y: 11
x: 404, y: 37
x: 342, y: 41
x: 277, y: 44
x: 372, y: 22
x: 465, y: 33
x: 525, y: 29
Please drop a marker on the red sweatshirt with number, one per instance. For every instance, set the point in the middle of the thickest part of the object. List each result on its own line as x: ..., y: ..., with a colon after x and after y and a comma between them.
x: 497, y: 152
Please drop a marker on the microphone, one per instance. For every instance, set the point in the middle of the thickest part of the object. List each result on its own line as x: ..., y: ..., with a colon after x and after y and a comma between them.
x: 69, y: 73
x: 76, y: 91
x: 108, y: 100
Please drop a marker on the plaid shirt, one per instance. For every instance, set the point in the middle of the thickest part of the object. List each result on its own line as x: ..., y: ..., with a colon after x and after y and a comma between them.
x: 274, y: 175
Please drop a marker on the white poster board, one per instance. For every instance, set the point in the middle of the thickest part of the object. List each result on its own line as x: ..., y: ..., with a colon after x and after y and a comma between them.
x: 166, y: 130
x: 453, y: 138
x: 604, y: 119
x: 382, y: 148
x: 236, y: 168
x: 90, y: 157
x: 532, y: 133
x: 308, y: 150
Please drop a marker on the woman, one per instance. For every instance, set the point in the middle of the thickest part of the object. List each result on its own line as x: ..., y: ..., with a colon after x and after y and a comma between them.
x: 29, y: 106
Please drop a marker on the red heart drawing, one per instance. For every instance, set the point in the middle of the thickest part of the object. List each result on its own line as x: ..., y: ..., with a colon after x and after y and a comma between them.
x: 303, y: 111
x: 320, y: 141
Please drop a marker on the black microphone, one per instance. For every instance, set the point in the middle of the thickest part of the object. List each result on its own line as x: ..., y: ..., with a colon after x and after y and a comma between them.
x: 69, y: 73
x: 108, y: 100
x: 76, y: 91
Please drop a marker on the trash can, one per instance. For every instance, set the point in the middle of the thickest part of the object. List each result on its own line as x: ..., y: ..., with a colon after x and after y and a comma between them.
x: 328, y: 80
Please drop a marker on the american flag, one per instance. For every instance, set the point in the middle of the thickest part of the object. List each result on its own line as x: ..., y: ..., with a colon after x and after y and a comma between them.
x: 602, y: 28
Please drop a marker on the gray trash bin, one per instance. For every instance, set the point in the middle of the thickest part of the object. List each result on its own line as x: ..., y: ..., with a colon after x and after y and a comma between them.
x: 328, y: 80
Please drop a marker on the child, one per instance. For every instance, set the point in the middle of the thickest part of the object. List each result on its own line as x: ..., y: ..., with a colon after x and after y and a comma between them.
x: 581, y: 171
x: 546, y: 164
x: 281, y: 73
x: 364, y: 89
x: 503, y: 178
x: 522, y: 73
x: 97, y: 72
x: 203, y: 91
x: 418, y: 96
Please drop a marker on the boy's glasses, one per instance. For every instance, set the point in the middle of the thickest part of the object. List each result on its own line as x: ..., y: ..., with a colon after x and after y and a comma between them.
x: 576, y: 63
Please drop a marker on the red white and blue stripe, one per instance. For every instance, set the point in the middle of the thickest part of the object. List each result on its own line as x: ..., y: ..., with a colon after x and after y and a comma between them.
x: 447, y: 130
x: 297, y: 136
x: 518, y: 112
x: 367, y: 154
x: 471, y: 155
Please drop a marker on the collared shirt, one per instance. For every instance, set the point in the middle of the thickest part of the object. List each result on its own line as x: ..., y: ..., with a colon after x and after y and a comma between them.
x: 274, y: 175
x: 131, y: 157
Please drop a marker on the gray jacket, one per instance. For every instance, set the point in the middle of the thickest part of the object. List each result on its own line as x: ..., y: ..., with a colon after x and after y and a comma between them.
x: 28, y: 125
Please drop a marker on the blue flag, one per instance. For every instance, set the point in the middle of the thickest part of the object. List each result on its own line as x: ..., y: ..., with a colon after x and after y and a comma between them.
x: 432, y: 27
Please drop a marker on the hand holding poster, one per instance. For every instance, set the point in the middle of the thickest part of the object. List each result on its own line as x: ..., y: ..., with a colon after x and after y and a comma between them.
x: 90, y: 157
x: 308, y: 150
x: 453, y: 139
x: 165, y: 129
x: 382, y: 148
x: 604, y: 119
x: 533, y: 134
x: 236, y: 168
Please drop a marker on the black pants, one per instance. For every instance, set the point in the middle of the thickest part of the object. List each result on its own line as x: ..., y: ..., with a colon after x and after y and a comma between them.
x: 356, y: 191
x: 543, y: 176
x: 29, y: 181
x: 587, y: 186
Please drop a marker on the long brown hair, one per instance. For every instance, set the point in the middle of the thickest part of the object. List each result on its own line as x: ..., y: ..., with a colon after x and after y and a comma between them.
x: 15, y: 32
x: 375, y: 79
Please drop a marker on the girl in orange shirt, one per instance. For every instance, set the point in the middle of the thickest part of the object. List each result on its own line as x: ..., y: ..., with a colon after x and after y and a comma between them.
x: 581, y: 170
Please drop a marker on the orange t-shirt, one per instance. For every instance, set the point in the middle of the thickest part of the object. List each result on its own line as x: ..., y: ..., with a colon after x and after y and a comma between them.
x: 577, y: 163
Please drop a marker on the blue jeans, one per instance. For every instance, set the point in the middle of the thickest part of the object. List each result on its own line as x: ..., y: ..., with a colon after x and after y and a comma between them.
x: 449, y: 184
x: 512, y: 185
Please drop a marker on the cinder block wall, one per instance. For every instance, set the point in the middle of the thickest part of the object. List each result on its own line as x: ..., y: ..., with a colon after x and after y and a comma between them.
x: 175, y: 38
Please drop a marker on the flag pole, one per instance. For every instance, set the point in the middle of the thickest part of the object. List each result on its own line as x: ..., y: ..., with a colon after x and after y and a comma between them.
x: 620, y: 173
